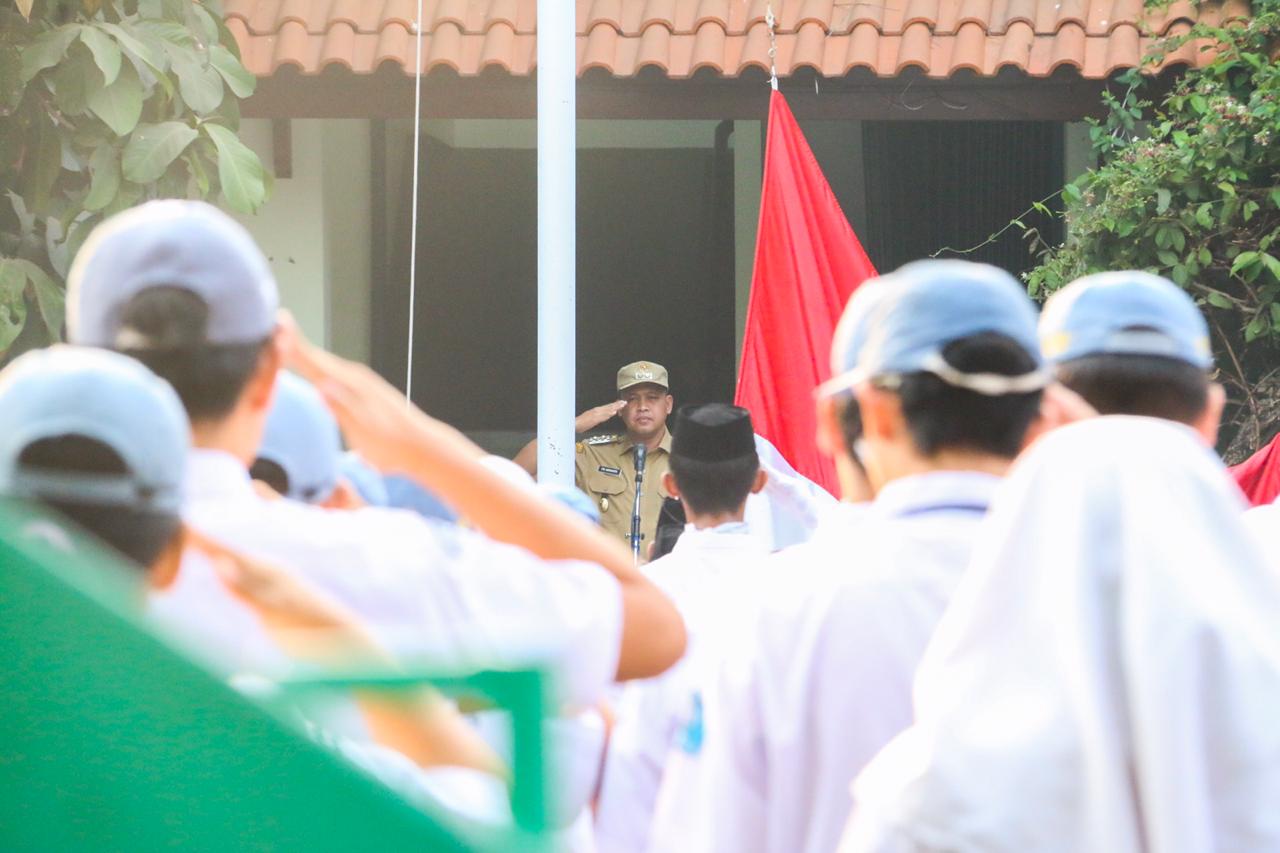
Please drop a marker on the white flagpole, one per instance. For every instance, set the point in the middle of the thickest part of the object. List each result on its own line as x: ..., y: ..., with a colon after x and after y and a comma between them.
x: 557, y: 238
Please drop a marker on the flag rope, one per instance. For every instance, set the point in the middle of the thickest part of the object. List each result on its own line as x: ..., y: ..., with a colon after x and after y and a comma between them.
x: 413, y: 214
x: 771, y: 21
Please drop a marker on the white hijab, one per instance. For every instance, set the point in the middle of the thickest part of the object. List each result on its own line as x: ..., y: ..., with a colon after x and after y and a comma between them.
x: 1108, y: 675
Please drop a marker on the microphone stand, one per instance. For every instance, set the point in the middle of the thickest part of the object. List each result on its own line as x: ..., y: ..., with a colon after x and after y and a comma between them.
x: 640, y: 454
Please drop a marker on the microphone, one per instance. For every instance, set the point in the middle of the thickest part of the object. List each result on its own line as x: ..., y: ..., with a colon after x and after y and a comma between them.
x: 640, y: 453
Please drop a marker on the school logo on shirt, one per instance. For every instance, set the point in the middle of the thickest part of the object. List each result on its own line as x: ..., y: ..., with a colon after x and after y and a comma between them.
x: 689, y: 740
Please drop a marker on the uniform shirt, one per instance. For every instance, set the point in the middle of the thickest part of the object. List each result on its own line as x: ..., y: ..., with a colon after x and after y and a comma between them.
x: 712, y: 576
x: 825, y: 682
x: 606, y: 470
x: 425, y: 590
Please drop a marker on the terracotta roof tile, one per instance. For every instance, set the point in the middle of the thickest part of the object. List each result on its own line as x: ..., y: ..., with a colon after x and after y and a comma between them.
x: 724, y: 37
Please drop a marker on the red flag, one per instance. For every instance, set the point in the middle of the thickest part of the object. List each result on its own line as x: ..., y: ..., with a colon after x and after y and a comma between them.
x: 808, y: 262
x: 1259, y: 475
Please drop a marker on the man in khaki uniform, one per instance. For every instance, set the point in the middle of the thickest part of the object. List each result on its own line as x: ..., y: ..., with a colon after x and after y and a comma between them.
x: 605, y: 464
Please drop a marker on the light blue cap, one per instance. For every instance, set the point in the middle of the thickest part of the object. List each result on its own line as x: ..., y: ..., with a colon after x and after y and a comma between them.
x: 1124, y: 313
x: 302, y: 438
x: 852, y: 331
x: 364, y: 478
x: 916, y: 311
x: 170, y: 243
x: 574, y: 498
x: 405, y: 493
x: 102, y: 396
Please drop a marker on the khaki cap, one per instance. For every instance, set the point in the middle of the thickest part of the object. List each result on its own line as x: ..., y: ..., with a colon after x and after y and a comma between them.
x: 640, y: 372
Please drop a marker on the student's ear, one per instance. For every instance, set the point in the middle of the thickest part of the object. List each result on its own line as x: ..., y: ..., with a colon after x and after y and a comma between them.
x: 669, y: 483
x: 1209, y: 420
x: 881, y: 412
x: 262, y: 383
x: 758, y: 484
x: 829, y: 437
x: 344, y: 497
x: 164, y: 569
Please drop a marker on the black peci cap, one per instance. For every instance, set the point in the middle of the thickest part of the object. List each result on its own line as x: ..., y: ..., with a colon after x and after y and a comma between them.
x: 713, y: 432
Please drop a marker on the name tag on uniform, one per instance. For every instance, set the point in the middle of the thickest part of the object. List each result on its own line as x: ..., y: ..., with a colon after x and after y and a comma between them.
x: 605, y: 469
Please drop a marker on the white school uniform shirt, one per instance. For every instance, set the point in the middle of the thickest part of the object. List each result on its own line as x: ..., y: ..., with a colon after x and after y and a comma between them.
x: 712, y: 576
x: 790, y: 507
x: 1108, y: 675
x: 426, y: 590
x: 825, y: 681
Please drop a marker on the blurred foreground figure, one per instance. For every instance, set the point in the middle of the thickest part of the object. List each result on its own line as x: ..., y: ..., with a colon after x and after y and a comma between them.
x: 104, y: 441
x: 938, y: 379
x: 99, y: 438
x: 1108, y: 675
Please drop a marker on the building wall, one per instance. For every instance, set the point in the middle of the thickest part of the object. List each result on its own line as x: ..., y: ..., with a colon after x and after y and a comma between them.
x: 315, y: 228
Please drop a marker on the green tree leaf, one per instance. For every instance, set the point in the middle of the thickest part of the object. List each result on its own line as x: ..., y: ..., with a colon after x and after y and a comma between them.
x: 1254, y: 329
x: 1163, y: 196
x: 50, y: 298
x: 1219, y: 300
x: 104, y: 169
x: 120, y: 104
x: 237, y: 77
x: 42, y: 166
x: 1272, y: 264
x: 106, y: 53
x: 1243, y: 260
x: 47, y: 50
x: 200, y: 85
x: 142, y: 54
x: 73, y: 79
x: 153, y: 147
x: 13, y: 301
x: 239, y: 170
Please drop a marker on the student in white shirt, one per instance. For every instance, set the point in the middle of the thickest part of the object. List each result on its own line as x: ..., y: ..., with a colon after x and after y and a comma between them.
x: 1108, y: 675
x: 941, y: 360
x: 712, y: 576
x: 181, y: 287
x: 98, y: 438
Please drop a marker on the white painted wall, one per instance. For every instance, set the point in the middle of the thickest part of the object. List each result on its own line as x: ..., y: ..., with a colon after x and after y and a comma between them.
x: 314, y: 229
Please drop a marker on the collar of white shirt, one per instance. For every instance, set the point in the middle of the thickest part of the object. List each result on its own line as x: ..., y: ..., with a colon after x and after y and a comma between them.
x: 963, y: 492
x: 732, y: 535
x: 216, y: 474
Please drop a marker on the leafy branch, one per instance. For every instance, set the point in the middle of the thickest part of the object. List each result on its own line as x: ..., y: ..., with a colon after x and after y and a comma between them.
x: 104, y: 104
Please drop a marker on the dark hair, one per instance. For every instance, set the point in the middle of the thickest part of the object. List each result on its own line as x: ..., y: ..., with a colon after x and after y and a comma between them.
x: 942, y: 417
x: 671, y: 522
x: 710, y: 487
x: 1151, y: 385
x: 850, y: 418
x: 139, y: 534
x: 270, y: 473
x: 172, y: 321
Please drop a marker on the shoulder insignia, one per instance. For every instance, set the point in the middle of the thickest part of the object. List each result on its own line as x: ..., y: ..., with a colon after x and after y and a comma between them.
x: 600, y: 439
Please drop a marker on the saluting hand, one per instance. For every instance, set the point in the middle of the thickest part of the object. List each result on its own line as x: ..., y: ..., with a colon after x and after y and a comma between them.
x: 592, y: 418
x: 377, y: 421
